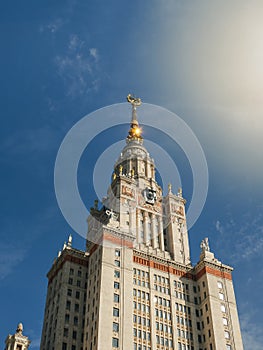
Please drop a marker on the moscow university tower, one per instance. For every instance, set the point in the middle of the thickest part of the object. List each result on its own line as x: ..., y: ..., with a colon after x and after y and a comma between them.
x: 134, y: 288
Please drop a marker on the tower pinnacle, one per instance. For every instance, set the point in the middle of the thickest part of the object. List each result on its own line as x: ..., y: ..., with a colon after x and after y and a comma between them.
x: 135, y: 130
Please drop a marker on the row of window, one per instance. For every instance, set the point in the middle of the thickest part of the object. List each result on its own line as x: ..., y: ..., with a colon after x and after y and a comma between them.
x: 162, y: 289
x: 141, y: 347
x: 182, y: 296
x: 141, y: 334
x: 141, y: 283
x: 141, y: 273
x: 78, y: 283
x: 66, y: 333
x: 141, y: 307
x: 182, y: 346
x: 162, y: 327
x: 140, y: 320
x: 161, y: 279
x: 68, y: 306
x: 164, y: 341
x: 195, y: 289
x: 162, y: 301
x: 178, y: 284
x: 183, y: 308
x: 183, y: 321
x: 141, y: 294
x: 223, y: 309
x: 116, y: 299
x: 79, y: 273
x: 184, y: 334
x: 163, y: 314
x: 77, y: 294
x: 65, y: 346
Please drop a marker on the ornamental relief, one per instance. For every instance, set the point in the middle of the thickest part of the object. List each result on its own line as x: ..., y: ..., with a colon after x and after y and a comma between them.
x: 127, y: 191
x: 177, y: 209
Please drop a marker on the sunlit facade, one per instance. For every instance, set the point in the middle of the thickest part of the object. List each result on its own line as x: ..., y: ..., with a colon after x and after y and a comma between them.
x: 135, y: 286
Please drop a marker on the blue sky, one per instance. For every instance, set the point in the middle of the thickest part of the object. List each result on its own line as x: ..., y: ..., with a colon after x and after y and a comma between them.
x: 62, y: 60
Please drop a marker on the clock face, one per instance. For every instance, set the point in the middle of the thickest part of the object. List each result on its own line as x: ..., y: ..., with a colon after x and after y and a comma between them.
x: 150, y: 195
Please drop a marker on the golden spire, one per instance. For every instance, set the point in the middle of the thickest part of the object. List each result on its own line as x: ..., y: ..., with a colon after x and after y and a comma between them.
x: 135, y: 131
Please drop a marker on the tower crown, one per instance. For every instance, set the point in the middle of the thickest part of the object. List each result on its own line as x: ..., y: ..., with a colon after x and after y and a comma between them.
x: 135, y: 130
x: 134, y: 160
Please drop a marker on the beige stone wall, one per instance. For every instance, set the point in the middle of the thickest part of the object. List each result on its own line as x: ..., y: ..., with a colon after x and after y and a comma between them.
x: 66, y: 296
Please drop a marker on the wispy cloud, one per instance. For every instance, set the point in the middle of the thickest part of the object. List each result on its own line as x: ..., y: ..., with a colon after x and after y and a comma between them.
x: 94, y: 53
x: 78, y: 67
x: 11, y: 256
x: 247, y: 234
x: 52, y: 26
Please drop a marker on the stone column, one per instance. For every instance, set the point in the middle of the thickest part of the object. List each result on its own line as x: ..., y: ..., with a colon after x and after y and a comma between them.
x: 154, y: 233
x: 161, y: 234
x: 145, y: 226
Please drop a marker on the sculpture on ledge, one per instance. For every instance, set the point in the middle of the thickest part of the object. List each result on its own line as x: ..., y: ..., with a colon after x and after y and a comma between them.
x: 205, y: 245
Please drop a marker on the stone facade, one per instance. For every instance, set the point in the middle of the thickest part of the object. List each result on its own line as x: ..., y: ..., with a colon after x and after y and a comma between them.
x: 138, y: 289
x: 17, y: 341
x: 65, y: 302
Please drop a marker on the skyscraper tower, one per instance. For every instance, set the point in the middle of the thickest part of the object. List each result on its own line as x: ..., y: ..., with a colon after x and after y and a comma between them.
x: 137, y: 288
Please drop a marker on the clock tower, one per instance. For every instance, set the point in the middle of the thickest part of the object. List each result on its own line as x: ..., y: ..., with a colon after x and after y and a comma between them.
x: 135, y: 204
x: 135, y: 287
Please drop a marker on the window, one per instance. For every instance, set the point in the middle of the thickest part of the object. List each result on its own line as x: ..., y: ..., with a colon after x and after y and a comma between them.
x: 65, y: 333
x: 66, y: 318
x: 69, y: 292
x: 225, y: 321
x: 117, y: 263
x: 70, y: 281
x: 219, y: 285
x: 227, y: 336
x: 115, y: 327
x: 78, y: 283
x: 228, y: 347
x: 223, y: 308
x: 71, y: 272
x: 221, y: 296
x: 115, y: 342
x: 77, y: 294
x: 116, y: 298
x: 64, y: 346
x: 68, y: 305
x: 76, y: 307
x: 116, y: 274
x: 117, y: 252
x: 79, y: 273
x: 74, y: 335
x: 76, y: 321
x: 116, y: 285
x: 115, y: 312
